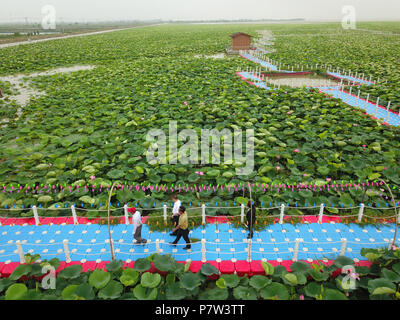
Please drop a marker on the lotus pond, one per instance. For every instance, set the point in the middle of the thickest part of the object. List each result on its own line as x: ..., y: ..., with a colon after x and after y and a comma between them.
x: 91, y: 125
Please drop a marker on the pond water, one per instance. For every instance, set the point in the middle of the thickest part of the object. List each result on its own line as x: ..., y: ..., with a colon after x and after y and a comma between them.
x: 214, y: 56
x: 307, y: 80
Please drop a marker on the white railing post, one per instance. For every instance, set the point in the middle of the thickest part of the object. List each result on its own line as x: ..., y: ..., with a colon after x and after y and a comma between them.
x: 74, y: 214
x: 203, y: 213
x: 126, y: 214
x: 343, y: 248
x: 158, y: 246
x: 20, y: 252
x: 366, y: 102
x: 35, y: 215
x: 165, y: 212
x: 398, y: 215
x: 203, y: 250
x: 387, y: 112
x: 391, y: 244
x: 296, y: 249
x: 242, y: 213
x: 282, y: 213
x: 348, y: 96
x: 66, y: 251
x: 249, y: 250
x: 361, y: 212
x: 321, y: 213
x: 376, y: 108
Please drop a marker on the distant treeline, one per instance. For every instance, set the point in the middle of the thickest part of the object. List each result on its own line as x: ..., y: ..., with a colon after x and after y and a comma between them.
x: 238, y: 20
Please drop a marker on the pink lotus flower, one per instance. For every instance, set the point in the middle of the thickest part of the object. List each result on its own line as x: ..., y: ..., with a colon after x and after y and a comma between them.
x: 278, y: 157
x: 92, y: 178
x: 301, y: 297
x: 364, y: 146
x: 328, y: 179
x: 354, y: 275
x: 200, y: 173
x: 296, y: 151
x: 186, y: 104
x: 142, y: 118
x: 278, y: 168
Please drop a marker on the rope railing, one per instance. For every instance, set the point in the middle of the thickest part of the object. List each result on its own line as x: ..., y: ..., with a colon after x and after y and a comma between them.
x: 203, y: 208
x: 65, y: 248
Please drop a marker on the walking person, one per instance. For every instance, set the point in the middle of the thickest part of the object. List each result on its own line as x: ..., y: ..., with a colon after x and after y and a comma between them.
x: 251, y: 218
x: 182, y: 228
x: 175, y: 212
x: 137, y: 225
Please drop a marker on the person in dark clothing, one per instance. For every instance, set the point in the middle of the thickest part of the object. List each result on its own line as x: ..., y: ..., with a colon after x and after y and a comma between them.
x: 251, y: 219
x: 182, y: 228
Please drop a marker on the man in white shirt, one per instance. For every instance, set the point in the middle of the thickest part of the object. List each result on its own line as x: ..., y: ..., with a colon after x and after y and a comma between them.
x: 137, y: 225
x: 175, y: 213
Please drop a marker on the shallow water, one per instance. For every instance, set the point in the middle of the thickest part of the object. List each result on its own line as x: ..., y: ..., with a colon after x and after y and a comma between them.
x: 302, y: 80
x: 20, y: 83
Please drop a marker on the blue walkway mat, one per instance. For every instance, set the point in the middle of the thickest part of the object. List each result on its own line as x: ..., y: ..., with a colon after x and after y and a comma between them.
x: 90, y: 242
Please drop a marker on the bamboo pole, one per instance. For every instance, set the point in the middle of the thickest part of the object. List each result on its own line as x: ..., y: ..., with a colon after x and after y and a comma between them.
x: 108, y: 222
x: 395, y: 212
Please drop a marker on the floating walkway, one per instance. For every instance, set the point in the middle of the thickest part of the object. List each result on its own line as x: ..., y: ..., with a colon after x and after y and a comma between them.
x: 259, y: 61
x: 253, y: 79
x: 390, y: 117
x: 263, y: 50
x: 89, y: 242
x: 350, y: 78
x: 376, y: 111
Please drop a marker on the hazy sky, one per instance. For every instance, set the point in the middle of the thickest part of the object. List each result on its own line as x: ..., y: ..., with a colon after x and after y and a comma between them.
x: 100, y: 10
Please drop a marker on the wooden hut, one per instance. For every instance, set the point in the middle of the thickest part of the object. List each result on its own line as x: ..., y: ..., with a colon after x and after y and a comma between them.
x: 240, y: 41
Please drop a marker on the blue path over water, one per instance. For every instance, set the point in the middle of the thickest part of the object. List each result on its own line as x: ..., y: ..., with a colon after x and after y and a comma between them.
x: 369, y: 107
x: 389, y: 117
x: 224, y: 242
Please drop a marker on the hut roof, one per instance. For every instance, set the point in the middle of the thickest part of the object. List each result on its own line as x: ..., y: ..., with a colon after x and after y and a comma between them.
x: 239, y: 33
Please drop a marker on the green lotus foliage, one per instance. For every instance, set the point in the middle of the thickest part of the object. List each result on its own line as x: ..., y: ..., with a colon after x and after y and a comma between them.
x: 304, y: 281
x: 91, y: 126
